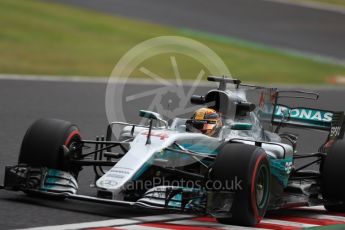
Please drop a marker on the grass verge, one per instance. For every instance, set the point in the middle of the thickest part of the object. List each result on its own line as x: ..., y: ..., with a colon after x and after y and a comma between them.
x: 37, y: 37
x: 331, y: 2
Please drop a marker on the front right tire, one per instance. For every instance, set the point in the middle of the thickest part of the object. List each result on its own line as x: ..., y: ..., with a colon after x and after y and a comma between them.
x: 250, y: 165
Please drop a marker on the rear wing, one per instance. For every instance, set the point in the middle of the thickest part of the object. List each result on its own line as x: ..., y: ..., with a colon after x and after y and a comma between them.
x: 270, y: 112
x: 304, y: 117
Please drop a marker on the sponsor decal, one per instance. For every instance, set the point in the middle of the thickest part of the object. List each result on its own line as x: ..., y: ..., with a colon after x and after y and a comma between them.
x: 304, y: 114
x: 119, y: 171
x: 113, y: 175
x: 335, y: 131
x: 107, y: 183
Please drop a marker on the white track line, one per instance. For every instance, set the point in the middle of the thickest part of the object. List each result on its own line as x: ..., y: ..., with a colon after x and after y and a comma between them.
x: 219, y: 227
x: 264, y: 221
x: 114, y: 222
x: 322, y: 216
x: 287, y: 223
x: 211, y: 225
x: 167, y: 217
x: 312, y: 5
x: 139, y: 227
x: 233, y: 227
x: 96, y: 224
x: 196, y: 223
x: 136, y: 223
x: 28, y: 77
x: 140, y: 81
x: 95, y: 79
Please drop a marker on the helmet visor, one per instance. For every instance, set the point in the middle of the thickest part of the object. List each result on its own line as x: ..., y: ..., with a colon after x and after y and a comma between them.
x: 201, y: 125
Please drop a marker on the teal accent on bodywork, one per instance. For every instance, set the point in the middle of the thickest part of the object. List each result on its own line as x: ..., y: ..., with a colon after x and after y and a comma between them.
x: 51, y: 178
x: 200, y: 149
x: 241, y: 126
x: 177, y: 201
x: 143, y: 169
x: 195, y: 200
x: 281, y: 169
x: 53, y: 172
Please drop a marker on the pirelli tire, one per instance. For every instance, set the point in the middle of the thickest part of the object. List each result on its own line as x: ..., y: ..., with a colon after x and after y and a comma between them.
x: 42, y: 145
x: 248, y: 164
x: 333, y: 177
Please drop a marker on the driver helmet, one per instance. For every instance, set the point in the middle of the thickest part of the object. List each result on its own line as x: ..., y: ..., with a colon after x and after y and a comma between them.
x: 206, y: 121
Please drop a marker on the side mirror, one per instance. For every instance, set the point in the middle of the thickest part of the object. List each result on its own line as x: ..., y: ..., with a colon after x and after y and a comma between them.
x: 150, y: 115
x: 153, y: 116
x: 241, y: 126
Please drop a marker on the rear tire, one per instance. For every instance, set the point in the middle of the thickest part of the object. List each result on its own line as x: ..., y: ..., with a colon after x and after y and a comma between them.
x: 333, y: 177
x: 250, y: 165
x: 43, y: 141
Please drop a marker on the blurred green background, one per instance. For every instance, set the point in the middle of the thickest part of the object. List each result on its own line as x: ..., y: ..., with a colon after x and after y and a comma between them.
x: 333, y: 2
x: 43, y: 38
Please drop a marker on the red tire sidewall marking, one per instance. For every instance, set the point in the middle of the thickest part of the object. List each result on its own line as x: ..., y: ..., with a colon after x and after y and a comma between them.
x: 252, y: 190
x: 70, y: 137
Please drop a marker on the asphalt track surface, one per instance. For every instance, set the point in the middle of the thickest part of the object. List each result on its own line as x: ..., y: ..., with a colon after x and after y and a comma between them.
x: 22, y: 102
x: 279, y: 25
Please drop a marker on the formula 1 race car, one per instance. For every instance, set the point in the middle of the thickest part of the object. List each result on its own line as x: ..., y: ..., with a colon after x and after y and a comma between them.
x: 248, y: 168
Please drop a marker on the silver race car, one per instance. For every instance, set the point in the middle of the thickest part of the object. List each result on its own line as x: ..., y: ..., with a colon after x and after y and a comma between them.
x: 246, y: 167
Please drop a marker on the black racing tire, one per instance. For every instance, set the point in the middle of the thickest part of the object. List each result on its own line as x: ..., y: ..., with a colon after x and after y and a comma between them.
x: 250, y: 165
x: 43, y: 141
x: 333, y: 177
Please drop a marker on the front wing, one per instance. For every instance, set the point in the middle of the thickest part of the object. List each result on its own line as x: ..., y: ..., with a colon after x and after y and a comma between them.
x: 61, y: 184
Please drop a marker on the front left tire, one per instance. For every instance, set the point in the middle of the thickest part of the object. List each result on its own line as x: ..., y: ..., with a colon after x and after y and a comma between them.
x: 43, y: 142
